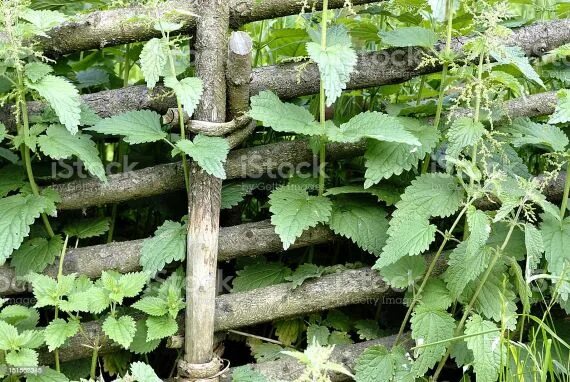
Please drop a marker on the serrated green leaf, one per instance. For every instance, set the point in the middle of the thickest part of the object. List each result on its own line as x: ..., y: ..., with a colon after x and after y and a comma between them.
x: 430, y: 326
x: 377, y: 364
x: 140, y: 345
x: 464, y: 132
x: 562, y: 112
x: 405, y: 272
x: 131, y: 284
x: 289, y: 331
x: 304, y: 272
x: 247, y: 374
x: 153, y: 57
x: 209, y: 152
x: 436, y: 296
x: 368, y: 329
x: 160, y: 327
x: 47, y: 375
x: 22, y: 358
x: 167, y: 245
x: 409, y: 36
x: 87, y: 228
x: 338, y: 320
x: 336, y: 62
x: 294, y: 211
x: 35, y: 71
x: 340, y: 338
x: 58, y: 143
x: 98, y: 300
x: 18, y: 214
x: 21, y: 317
x: 486, y: 348
x: 36, y: 254
x: 373, y: 125
x: 121, y: 330
x: 319, y: 334
x: 464, y: 268
x: 267, y: 108
x: 386, y: 193
x: 188, y: 90
x: 11, y: 179
x: 362, y: 222
x: 556, y: 239
x: 548, y: 137
x: 233, y: 194
x: 264, y: 352
x: 8, y: 336
x: 142, y: 126
x: 43, y: 20
x: 152, y: 306
x: 58, y: 331
x: 63, y: 97
x: 259, y: 275
x: 143, y: 372
x: 515, y: 55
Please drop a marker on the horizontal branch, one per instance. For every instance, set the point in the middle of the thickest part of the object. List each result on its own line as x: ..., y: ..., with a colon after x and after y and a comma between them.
x: 250, y: 239
x: 99, y: 29
x: 203, y: 127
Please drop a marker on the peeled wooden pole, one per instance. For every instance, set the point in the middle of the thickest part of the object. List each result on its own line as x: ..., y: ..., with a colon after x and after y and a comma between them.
x: 205, y: 198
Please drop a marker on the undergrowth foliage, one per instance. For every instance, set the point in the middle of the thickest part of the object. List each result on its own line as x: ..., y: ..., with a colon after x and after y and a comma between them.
x: 450, y: 203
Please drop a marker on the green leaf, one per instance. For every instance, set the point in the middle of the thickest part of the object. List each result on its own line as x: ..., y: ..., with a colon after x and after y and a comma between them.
x: 140, y: 126
x: 267, y: 108
x: 140, y: 345
x: 131, y: 284
x: 152, y: 306
x: 233, y: 194
x: 58, y: 331
x: 21, y: 317
x: 525, y: 132
x: 35, y: 71
x: 22, y: 358
x: 319, y: 334
x: 464, y: 268
x: 340, y: 338
x: 368, y: 329
x: 479, y: 230
x: 487, y: 348
x: 210, y: 153
x: 143, y: 373
x: 336, y: 62
x: 338, y: 320
x: 464, y: 132
x: 18, y: 214
x: 121, y: 330
x: 294, y: 210
x: 36, y: 254
x: 373, y: 125
x: 562, y: 112
x: 409, y: 36
x: 515, y: 55
x: 43, y: 20
x: 45, y: 290
x: 88, y: 228
x: 58, y: 143
x: 160, y: 327
x: 362, y: 222
x: 47, y: 375
x: 377, y: 364
x: 404, y: 272
x: 534, y: 248
x: 188, y: 90
x: 154, y: 56
x: 436, y: 296
x: 247, y: 374
x: 260, y: 275
x: 289, y: 331
x: 167, y: 245
x: 384, y: 159
x: 8, y: 336
x: 430, y: 326
x: 3, y: 132
x: 556, y: 238
x: 12, y: 178
x: 304, y: 272
x: 63, y: 97
x: 388, y: 194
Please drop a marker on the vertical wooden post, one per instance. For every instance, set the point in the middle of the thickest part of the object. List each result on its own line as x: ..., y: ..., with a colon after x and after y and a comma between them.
x: 204, y: 199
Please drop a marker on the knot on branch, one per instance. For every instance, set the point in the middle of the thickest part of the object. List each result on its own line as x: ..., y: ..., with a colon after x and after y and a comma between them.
x: 200, y: 371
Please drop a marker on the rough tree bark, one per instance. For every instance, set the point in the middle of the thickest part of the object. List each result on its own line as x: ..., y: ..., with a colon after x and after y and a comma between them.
x: 205, y: 192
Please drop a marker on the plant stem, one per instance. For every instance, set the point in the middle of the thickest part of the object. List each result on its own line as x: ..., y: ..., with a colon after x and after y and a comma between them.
x: 564, y: 204
x: 445, y: 71
x: 322, y: 103
x: 94, y: 358
x: 59, y: 276
x: 430, y: 271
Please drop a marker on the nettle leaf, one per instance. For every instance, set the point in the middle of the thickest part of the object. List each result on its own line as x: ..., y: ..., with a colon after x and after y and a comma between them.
x: 336, y: 62
x: 3, y: 131
x: 160, y: 327
x: 409, y: 36
x: 58, y: 331
x: 430, y: 326
x: 63, y: 98
x: 294, y: 210
x: 377, y: 364
x: 403, y: 273
x: 35, y: 71
x: 464, y: 268
x: 43, y: 20
x: 12, y: 178
x: 386, y: 193
x: 18, y: 214
x: 143, y: 372
x: 58, y: 143
x: 36, y: 254
x: 153, y: 306
x: 288, y: 331
x: 47, y: 375
x: 260, y: 275
x: 562, y: 112
x: 142, y: 126
x: 167, y: 245
x: 22, y: 358
x: 319, y: 334
x: 525, y: 132
x: 362, y: 222
x: 140, y: 345
x: 464, y: 132
x: 267, y: 108
x: 534, y: 248
x: 488, y: 351
x: 372, y: 125
x: 479, y: 224
x: 368, y: 329
x: 209, y: 152
x: 188, y: 90
x: 515, y: 55
x: 121, y: 330
x: 384, y: 159
x: 556, y: 238
x: 247, y: 374
x: 233, y: 194
x: 304, y: 272
x: 87, y: 228
x: 154, y: 56
x: 436, y: 296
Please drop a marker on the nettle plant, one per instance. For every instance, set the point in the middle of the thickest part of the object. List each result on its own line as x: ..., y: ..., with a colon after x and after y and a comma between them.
x: 487, y: 209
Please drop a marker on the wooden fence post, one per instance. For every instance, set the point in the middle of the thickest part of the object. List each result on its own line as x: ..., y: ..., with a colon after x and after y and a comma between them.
x: 204, y: 200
